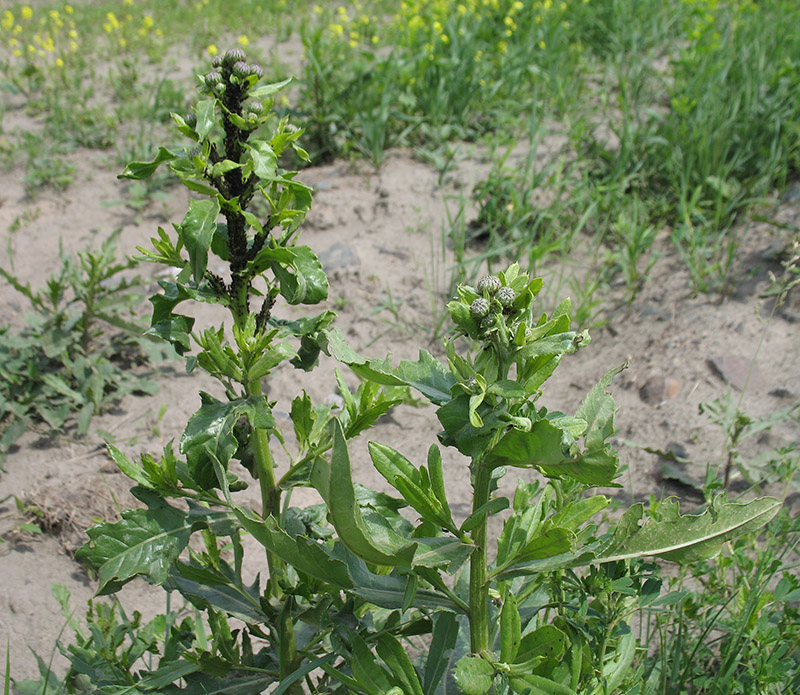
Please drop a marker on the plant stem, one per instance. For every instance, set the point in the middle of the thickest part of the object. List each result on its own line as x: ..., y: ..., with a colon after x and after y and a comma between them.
x: 270, y: 492
x: 478, y: 581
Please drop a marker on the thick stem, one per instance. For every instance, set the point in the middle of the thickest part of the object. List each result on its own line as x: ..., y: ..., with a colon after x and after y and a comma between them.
x: 270, y: 492
x: 478, y: 580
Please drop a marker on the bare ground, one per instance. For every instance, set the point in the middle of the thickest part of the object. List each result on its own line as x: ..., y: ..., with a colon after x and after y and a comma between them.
x: 380, y: 235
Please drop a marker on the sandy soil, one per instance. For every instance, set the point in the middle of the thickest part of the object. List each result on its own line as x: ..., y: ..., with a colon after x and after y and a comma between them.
x: 379, y: 234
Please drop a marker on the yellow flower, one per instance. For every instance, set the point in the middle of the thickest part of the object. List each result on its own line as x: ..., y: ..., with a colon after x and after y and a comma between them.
x: 212, y: 50
x: 337, y: 29
x: 17, y: 52
x: 542, y: 45
x: 26, y: 12
x: 243, y: 41
x: 147, y: 21
x: 317, y: 9
x: 113, y: 22
x: 128, y: 2
x: 7, y: 21
x: 68, y: 9
x: 59, y: 63
x: 353, y: 43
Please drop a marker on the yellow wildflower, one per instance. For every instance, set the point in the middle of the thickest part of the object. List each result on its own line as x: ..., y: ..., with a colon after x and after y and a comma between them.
x: 59, y: 63
x: 147, y: 21
x: 26, y: 12
x: 243, y: 41
x: 8, y: 20
x: 212, y: 50
x: 68, y: 9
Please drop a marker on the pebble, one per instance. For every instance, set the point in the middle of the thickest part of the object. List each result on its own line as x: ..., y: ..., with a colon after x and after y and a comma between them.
x: 659, y: 389
x: 736, y: 371
x: 338, y: 257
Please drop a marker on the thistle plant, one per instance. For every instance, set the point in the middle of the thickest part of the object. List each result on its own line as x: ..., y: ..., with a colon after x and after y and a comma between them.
x: 544, y: 607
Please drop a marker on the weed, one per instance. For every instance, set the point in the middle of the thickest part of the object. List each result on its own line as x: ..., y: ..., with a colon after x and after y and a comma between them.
x: 351, y: 580
x: 74, y: 357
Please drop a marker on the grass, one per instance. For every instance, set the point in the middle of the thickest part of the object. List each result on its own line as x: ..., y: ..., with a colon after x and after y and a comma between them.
x: 680, y: 115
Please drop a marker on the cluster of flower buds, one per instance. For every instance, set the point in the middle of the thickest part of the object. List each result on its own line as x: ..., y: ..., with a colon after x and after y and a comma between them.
x: 495, y: 299
x: 230, y: 67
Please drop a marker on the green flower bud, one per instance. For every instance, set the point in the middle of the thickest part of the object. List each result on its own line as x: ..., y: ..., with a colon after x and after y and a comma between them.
x: 234, y: 55
x: 190, y: 119
x: 479, y: 308
x: 256, y: 108
x: 217, y: 61
x: 506, y: 296
x: 488, y: 284
x: 212, y: 79
x: 257, y: 71
x: 240, y: 69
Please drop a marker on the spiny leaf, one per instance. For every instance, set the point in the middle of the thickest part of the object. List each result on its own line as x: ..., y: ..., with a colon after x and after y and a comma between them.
x: 690, y: 537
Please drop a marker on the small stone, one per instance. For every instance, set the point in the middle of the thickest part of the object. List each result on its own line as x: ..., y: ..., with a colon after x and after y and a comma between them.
x: 783, y: 392
x: 338, y: 257
x: 657, y: 390
x: 737, y: 371
x: 791, y: 194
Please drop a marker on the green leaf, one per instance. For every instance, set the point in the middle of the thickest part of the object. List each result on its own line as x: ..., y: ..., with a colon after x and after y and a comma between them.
x: 373, y: 539
x: 145, y: 542
x: 196, y: 231
x: 546, y: 642
x: 532, y: 684
x: 143, y: 170
x: 205, y: 116
x: 510, y: 629
x: 691, y: 537
x: 217, y: 588
x: 446, y: 552
x: 234, y: 683
x: 427, y: 375
x: 304, y: 554
x: 443, y: 640
x: 211, y: 429
x: 474, y: 675
x: 598, y: 411
x: 388, y: 590
x: 133, y: 471
x: 300, y: 275
x: 264, y: 91
x: 168, y: 673
x: 543, y: 447
x: 408, y: 481
x: 395, y: 657
x: 265, y: 163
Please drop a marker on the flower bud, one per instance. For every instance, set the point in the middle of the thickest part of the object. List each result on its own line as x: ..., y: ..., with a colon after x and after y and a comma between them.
x: 479, y: 308
x: 488, y: 284
x: 190, y: 119
x: 234, y: 55
x: 257, y: 71
x: 212, y: 79
x: 240, y: 69
x: 506, y: 296
x: 255, y: 107
x: 216, y: 61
